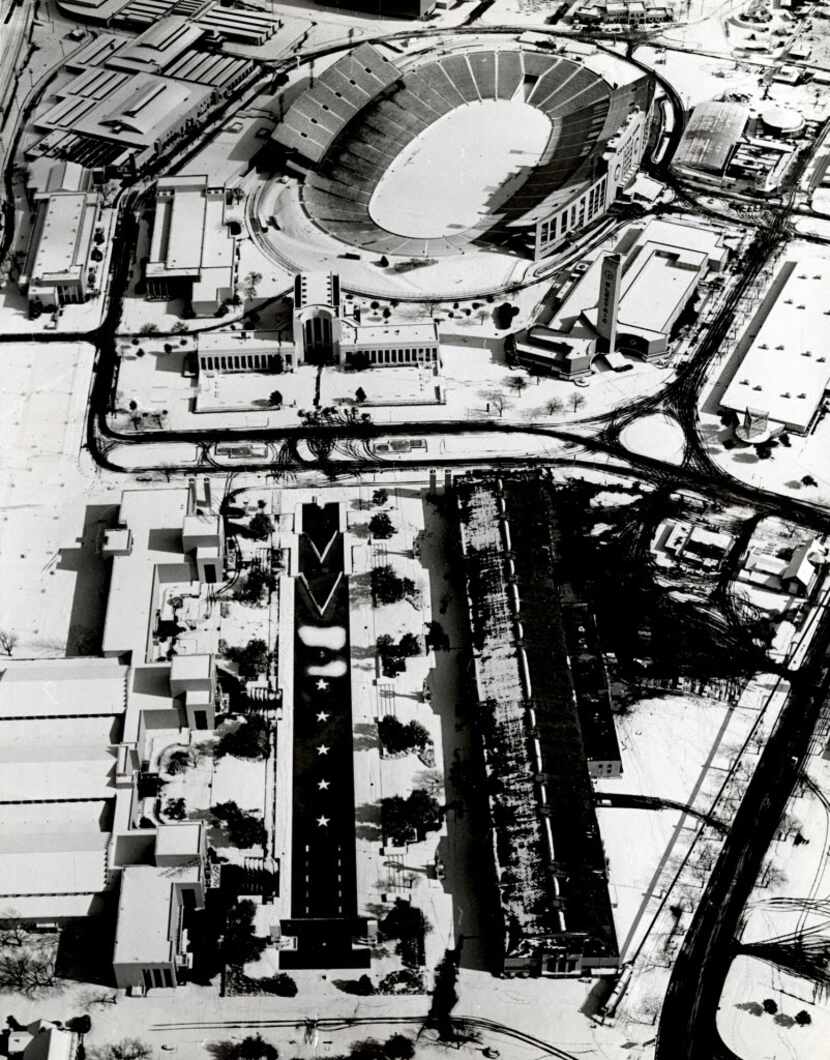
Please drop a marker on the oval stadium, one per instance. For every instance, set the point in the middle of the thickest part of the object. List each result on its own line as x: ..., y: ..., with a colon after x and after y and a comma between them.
x: 492, y: 144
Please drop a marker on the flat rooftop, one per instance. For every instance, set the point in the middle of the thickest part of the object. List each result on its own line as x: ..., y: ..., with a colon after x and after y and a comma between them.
x: 155, y: 518
x: 655, y: 283
x: 58, y: 688
x: 145, y: 908
x: 50, y: 772
x: 53, y: 865
x: 64, y: 236
x: 786, y: 369
x: 379, y: 334
x: 314, y: 288
x: 584, y: 295
x: 189, y: 236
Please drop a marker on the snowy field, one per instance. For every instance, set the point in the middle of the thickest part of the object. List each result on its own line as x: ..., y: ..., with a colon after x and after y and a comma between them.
x: 443, y: 181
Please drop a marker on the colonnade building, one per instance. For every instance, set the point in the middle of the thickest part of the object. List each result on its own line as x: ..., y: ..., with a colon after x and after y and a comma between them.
x: 325, y: 330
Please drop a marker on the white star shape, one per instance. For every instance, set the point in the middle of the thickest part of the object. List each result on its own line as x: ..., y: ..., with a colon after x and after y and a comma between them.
x: 322, y: 749
x: 323, y: 716
x: 322, y: 684
x: 323, y: 785
x: 322, y: 821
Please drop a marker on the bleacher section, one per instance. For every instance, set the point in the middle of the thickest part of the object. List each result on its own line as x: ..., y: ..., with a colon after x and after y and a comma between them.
x: 320, y: 115
x: 338, y: 194
x: 144, y: 13
x: 240, y: 26
x: 206, y: 68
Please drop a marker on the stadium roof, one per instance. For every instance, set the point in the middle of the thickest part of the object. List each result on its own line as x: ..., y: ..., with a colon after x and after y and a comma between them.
x: 710, y: 135
x: 786, y: 370
x: 321, y: 113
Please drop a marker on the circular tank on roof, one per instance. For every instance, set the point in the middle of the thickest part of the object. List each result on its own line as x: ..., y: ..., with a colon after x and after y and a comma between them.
x: 782, y: 120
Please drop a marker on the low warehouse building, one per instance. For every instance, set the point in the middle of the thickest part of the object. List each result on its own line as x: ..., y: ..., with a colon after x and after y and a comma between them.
x: 785, y: 371
x: 710, y: 137
x: 192, y: 251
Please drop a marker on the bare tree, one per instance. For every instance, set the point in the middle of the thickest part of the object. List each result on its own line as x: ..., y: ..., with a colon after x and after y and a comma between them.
x: 577, y: 400
x: 252, y: 281
x: 554, y: 406
x: 8, y: 640
x: 496, y: 400
x: 518, y: 383
x: 27, y: 971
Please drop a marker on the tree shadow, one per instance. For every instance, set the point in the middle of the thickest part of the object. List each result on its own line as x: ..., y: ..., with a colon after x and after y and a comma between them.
x: 368, y: 813
x: 365, y: 736
x: 225, y: 1050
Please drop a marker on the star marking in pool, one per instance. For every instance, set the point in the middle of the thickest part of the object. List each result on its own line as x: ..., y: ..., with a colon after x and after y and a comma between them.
x: 323, y: 716
x: 322, y: 821
x: 322, y: 684
x: 323, y: 785
x: 322, y: 749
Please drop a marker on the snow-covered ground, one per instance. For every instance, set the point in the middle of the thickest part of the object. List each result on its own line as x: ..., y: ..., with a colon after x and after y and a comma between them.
x: 659, y: 436
x: 756, y: 1033
x: 488, y: 141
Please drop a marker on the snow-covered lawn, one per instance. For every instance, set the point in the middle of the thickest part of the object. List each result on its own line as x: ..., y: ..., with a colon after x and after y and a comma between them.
x: 659, y: 436
x: 755, y: 1034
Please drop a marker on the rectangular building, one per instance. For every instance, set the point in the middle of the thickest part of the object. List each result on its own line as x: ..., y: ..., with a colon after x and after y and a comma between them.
x: 710, y: 137
x: 545, y: 726
x: 785, y: 370
x: 60, y: 268
x: 191, y: 250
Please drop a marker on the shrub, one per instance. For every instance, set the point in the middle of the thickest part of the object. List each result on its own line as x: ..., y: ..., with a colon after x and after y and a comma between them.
x: 803, y: 1018
x: 239, y: 943
x: 282, y: 985
x: 399, y: 1047
x: 261, y: 526
x: 251, y: 660
x: 275, y: 399
x: 409, y: 645
x: 255, y: 584
x: 175, y: 809
x: 179, y: 762
x: 380, y: 497
x: 388, y: 588
x: 360, y: 394
x: 408, y: 820
x: 245, y: 830
x: 380, y: 526
x: 250, y: 739
x: 397, y: 737
x: 255, y: 1047
x: 368, y: 1049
